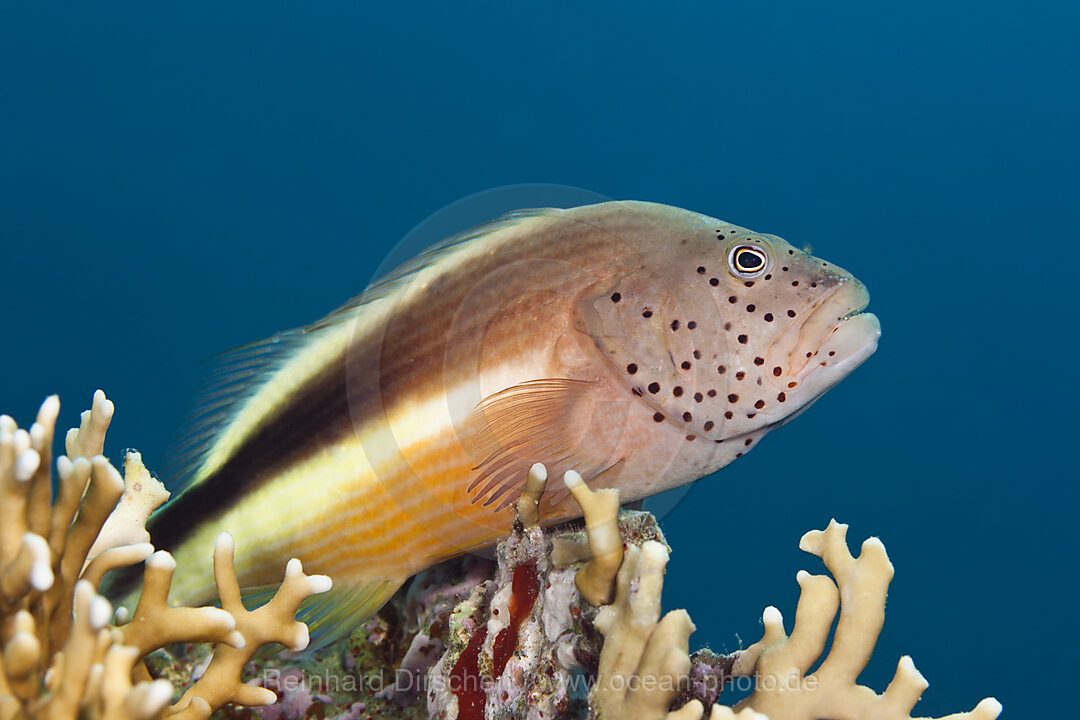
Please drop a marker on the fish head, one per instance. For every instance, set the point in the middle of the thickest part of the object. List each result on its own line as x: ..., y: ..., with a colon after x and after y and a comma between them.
x: 724, y: 331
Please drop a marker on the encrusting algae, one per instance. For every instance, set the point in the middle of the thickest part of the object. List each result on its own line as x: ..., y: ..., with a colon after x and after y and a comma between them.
x: 65, y: 654
x: 566, y: 624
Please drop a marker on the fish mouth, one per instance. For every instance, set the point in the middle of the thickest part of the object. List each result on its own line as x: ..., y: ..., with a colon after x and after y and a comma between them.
x: 837, y: 334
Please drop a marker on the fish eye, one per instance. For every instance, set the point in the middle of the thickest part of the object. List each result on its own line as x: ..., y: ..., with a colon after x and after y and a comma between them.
x: 747, y: 261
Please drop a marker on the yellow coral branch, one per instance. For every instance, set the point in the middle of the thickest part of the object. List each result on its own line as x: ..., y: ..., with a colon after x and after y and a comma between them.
x: 30, y: 569
x: 39, y: 494
x: 784, y: 690
x: 601, y: 510
x: 528, y: 505
x: 645, y: 658
x: 272, y: 623
x: 154, y: 624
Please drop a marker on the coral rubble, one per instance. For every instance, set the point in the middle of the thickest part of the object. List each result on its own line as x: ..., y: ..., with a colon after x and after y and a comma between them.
x: 64, y: 654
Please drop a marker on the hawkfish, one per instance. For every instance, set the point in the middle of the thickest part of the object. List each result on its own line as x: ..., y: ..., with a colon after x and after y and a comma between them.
x: 641, y: 345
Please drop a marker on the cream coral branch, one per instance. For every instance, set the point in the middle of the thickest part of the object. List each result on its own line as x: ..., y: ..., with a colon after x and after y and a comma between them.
x: 784, y: 690
x: 126, y: 524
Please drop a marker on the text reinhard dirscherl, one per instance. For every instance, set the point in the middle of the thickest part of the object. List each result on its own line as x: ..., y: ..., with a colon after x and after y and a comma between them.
x: 406, y: 681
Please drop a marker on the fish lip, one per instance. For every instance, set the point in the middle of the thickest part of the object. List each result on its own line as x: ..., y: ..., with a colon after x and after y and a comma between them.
x: 855, y: 312
x: 848, y: 301
x: 858, y: 322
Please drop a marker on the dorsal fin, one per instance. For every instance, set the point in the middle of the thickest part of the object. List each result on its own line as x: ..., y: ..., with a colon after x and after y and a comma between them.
x: 235, y: 377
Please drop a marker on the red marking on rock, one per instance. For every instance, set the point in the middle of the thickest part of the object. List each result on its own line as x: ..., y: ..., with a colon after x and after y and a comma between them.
x: 523, y: 594
x: 465, y: 680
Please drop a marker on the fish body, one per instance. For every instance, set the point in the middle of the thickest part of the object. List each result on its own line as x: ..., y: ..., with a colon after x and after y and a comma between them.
x: 642, y: 345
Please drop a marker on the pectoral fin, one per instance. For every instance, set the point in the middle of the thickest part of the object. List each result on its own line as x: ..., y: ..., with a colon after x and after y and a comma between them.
x: 556, y: 421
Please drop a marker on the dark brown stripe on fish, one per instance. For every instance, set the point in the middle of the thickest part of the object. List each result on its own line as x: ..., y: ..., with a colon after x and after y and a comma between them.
x: 317, y: 415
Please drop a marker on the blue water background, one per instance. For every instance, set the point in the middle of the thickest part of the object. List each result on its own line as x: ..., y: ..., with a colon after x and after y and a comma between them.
x: 175, y: 181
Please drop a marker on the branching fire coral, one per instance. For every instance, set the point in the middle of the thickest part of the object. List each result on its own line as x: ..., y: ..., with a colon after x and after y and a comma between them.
x: 784, y: 690
x: 642, y: 652
x: 60, y: 654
